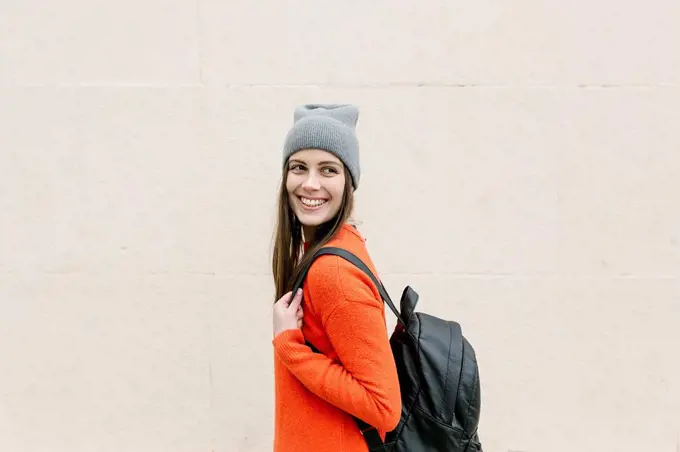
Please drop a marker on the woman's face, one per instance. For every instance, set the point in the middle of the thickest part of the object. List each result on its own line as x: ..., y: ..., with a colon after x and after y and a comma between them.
x: 315, y: 185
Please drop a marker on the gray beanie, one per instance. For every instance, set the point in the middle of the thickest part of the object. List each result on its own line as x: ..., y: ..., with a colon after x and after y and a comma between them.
x: 330, y: 127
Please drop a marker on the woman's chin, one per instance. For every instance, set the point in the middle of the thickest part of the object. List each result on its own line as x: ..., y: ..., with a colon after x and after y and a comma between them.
x: 311, y: 219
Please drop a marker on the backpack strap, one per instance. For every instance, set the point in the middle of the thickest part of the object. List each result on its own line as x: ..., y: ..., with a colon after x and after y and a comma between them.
x: 371, y: 435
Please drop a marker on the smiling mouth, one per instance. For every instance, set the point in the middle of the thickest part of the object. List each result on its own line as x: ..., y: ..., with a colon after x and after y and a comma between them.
x: 312, y: 203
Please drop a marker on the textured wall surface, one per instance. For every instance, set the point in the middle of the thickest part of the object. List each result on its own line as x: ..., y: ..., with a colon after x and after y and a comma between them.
x: 521, y: 170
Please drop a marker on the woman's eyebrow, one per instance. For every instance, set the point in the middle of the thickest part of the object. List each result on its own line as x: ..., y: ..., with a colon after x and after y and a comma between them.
x: 325, y: 162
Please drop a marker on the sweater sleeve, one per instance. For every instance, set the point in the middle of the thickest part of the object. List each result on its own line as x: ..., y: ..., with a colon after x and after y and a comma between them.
x: 366, y: 384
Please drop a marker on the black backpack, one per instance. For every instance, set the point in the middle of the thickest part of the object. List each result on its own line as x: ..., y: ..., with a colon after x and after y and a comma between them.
x: 438, y: 376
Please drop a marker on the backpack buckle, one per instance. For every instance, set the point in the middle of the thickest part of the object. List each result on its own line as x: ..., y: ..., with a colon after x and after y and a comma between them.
x: 367, y: 429
x: 372, y: 437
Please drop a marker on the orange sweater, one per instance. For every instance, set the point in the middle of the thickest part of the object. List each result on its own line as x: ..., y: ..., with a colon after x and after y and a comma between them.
x: 315, y: 393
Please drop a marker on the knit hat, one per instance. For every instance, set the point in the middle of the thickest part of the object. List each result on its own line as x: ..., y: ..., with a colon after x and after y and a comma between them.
x: 330, y: 127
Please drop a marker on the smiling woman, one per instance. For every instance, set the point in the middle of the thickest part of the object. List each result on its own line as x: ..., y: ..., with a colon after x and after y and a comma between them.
x: 319, y: 394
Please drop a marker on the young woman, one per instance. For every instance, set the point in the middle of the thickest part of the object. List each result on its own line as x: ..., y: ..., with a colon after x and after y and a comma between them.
x: 317, y: 394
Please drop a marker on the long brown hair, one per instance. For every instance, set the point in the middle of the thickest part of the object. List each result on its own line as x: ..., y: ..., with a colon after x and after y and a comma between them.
x: 288, y: 259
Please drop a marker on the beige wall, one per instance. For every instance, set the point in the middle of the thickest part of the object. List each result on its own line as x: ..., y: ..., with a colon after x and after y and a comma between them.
x: 521, y: 166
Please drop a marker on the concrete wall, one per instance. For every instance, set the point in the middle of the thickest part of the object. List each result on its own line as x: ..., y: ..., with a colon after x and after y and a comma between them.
x: 521, y: 170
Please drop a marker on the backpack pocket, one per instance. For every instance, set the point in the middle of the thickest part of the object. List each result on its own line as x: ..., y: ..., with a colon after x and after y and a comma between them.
x: 424, y: 433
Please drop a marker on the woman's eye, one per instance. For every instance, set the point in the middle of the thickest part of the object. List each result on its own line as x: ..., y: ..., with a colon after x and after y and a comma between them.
x: 329, y: 170
x: 296, y: 168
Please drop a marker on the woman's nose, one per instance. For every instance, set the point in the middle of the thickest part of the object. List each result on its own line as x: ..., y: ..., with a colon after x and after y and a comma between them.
x: 311, y: 182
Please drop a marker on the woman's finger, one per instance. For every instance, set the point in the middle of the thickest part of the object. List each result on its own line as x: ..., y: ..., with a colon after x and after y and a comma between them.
x: 297, y: 299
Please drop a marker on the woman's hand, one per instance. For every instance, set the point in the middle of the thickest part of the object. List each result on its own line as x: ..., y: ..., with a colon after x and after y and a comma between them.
x: 288, y: 314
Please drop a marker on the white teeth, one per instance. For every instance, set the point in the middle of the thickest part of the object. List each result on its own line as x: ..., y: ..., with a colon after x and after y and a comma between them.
x: 312, y: 202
